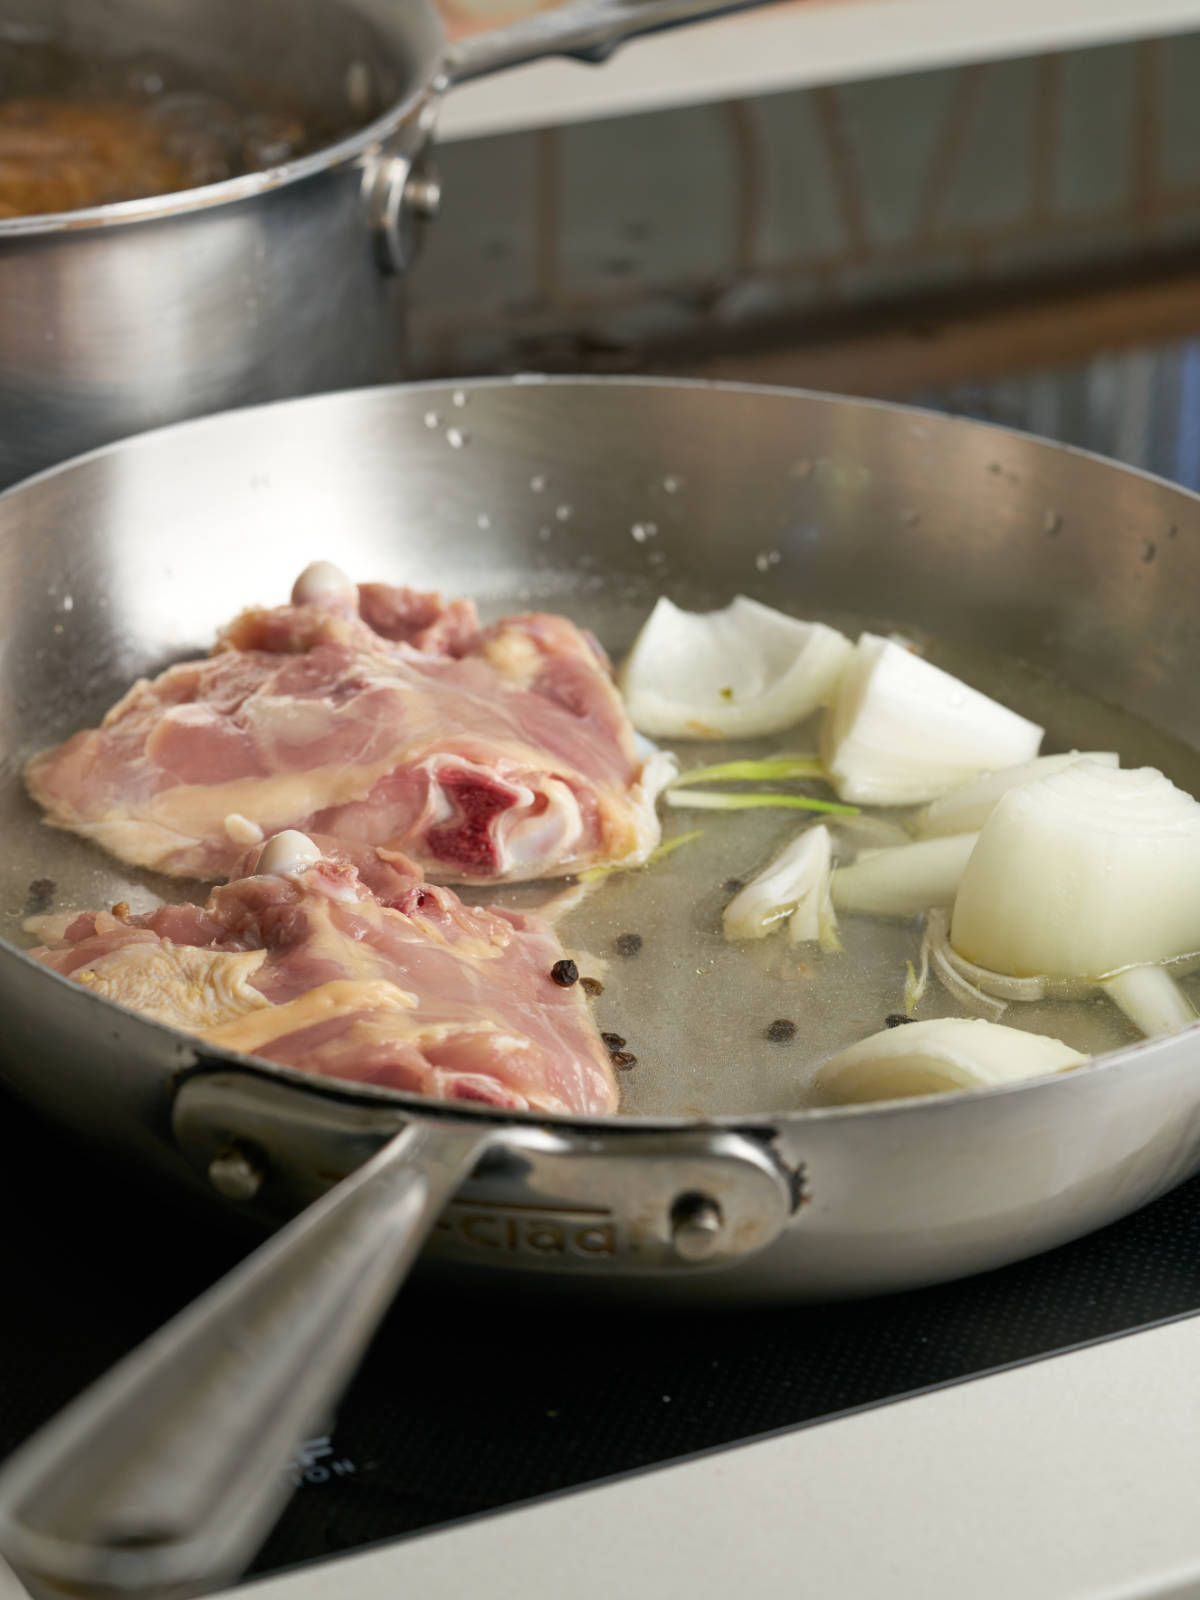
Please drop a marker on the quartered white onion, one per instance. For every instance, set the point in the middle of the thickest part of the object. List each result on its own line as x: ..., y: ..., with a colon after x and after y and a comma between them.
x: 1082, y: 873
x: 1092, y: 874
x: 935, y: 1057
x: 901, y: 731
x: 967, y: 808
x: 739, y: 673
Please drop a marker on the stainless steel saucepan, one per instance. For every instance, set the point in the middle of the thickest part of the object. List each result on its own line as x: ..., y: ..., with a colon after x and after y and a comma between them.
x: 715, y: 1186
x: 281, y: 282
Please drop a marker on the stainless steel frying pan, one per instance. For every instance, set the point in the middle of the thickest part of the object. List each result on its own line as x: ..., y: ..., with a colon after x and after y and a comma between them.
x: 589, y: 497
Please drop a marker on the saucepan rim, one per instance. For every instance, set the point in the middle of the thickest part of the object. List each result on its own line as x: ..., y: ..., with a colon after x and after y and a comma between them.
x: 1137, y: 1056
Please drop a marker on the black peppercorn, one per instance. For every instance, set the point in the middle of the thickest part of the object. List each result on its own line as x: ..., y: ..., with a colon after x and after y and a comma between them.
x: 565, y: 973
x: 614, y: 1041
x: 592, y: 986
x: 623, y: 1060
x: 781, y: 1030
x: 896, y: 1019
x: 628, y: 944
x: 41, y: 895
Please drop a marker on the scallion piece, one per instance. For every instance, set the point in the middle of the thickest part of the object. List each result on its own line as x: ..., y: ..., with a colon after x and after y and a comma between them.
x: 714, y: 800
x: 753, y: 771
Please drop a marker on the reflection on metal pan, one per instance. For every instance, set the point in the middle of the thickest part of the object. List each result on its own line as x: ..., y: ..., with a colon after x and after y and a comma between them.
x: 156, y: 541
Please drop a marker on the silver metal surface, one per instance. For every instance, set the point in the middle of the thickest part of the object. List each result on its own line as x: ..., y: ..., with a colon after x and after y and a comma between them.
x: 401, y: 192
x: 553, y: 1197
x: 128, y: 316
x: 587, y: 29
x: 277, y: 283
x: 1138, y: 405
x: 696, y: 1225
x: 989, y: 540
x: 730, y: 1189
x: 162, y: 1479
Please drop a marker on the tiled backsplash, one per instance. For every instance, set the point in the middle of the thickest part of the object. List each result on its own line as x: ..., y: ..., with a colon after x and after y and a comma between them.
x: 591, y: 245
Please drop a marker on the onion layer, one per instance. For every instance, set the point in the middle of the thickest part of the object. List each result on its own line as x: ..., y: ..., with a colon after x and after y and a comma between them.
x: 901, y: 731
x: 935, y: 1057
x: 739, y: 673
x: 905, y: 880
x: 795, y: 886
x: 1151, y: 999
x: 966, y: 809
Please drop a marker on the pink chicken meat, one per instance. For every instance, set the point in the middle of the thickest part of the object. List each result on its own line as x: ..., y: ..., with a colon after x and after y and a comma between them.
x: 344, y: 962
x: 376, y: 715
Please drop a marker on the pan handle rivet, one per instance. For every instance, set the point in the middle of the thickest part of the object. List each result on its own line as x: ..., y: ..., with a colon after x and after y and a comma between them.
x: 235, y: 1174
x: 696, y: 1224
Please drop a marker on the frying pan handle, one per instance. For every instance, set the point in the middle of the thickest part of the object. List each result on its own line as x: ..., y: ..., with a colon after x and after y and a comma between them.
x: 164, y: 1477
x: 589, y: 30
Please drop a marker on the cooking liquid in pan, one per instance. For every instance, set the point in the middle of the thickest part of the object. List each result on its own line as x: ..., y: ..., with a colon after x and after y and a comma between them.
x: 693, y: 1007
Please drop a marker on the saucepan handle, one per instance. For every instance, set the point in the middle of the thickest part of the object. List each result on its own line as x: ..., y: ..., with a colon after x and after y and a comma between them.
x: 402, y: 189
x: 587, y: 29
x: 163, y: 1478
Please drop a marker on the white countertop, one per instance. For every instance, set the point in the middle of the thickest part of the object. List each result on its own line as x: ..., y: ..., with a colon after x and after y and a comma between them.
x: 799, y: 43
x: 1073, y: 1478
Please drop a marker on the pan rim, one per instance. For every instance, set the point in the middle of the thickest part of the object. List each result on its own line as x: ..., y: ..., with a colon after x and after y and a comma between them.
x: 534, y: 379
x: 205, y: 1059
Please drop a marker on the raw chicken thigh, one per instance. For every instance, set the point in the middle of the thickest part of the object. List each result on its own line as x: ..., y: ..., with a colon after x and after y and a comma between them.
x: 344, y: 962
x: 376, y: 715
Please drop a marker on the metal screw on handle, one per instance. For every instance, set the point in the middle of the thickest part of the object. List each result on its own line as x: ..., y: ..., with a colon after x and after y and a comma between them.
x: 423, y: 194
x: 404, y: 195
x: 236, y: 1173
x: 696, y: 1226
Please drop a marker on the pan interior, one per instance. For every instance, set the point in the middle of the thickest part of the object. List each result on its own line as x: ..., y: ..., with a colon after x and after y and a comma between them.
x: 533, y: 518
x: 695, y: 1008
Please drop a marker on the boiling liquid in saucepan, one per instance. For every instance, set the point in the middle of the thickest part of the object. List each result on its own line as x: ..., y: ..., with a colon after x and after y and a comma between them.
x: 693, y: 1007
x: 76, y: 132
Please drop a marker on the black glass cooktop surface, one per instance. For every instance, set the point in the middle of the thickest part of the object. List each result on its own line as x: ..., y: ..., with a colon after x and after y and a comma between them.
x: 465, y: 1404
